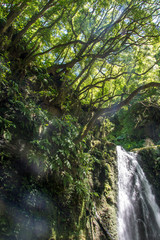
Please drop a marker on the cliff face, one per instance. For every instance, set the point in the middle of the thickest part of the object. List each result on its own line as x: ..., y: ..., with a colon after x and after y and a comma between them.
x: 150, y: 162
x: 52, y: 189
x: 104, y: 184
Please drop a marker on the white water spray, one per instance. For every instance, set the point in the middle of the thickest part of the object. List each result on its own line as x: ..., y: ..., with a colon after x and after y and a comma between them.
x: 138, y: 212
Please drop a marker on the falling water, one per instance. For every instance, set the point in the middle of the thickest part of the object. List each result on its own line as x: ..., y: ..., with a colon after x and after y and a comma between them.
x: 138, y: 213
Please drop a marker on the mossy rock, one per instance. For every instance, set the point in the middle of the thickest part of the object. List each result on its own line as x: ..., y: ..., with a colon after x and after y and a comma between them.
x: 150, y: 162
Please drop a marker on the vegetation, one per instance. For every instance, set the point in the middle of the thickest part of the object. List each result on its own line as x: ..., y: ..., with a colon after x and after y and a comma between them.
x: 92, y: 51
x: 65, y: 66
x: 137, y: 125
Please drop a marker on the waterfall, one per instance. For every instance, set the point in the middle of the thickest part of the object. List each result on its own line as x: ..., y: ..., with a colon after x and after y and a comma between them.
x: 138, y: 213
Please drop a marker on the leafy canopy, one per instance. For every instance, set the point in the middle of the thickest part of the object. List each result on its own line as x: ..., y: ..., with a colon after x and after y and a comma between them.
x: 99, y: 50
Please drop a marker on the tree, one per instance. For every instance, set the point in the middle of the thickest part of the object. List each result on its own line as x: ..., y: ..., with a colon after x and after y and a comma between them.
x: 102, y: 52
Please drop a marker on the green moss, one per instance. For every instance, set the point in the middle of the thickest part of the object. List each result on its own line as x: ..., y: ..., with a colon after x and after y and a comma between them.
x: 150, y: 162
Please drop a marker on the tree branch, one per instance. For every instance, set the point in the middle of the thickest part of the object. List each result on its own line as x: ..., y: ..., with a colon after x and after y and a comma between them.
x: 58, y: 46
x: 33, y: 20
x: 17, y: 10
x: 111, y: 110
x: 41, y: 29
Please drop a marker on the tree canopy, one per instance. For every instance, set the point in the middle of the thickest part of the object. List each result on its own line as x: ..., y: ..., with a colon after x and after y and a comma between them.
x: 101, y: 53
x: 63, y: 65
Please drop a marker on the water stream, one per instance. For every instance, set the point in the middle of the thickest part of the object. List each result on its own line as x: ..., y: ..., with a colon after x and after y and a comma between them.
x: 138, y: 213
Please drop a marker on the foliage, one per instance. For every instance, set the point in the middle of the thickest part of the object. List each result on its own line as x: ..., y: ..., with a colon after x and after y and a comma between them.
x: 138, y: 122
x: 86, y: 59
x: 57, y: 153
x: 97, y: 49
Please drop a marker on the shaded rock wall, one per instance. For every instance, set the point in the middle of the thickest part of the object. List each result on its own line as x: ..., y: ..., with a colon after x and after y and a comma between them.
x: 28, y: 205
x: 150, y: 162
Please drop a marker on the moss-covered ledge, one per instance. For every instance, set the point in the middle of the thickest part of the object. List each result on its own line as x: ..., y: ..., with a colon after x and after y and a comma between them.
x: 104, y: 184
x: 149, y: 159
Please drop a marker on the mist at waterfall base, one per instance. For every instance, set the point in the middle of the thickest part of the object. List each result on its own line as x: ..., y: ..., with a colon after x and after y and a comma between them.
x: 138, y: 213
